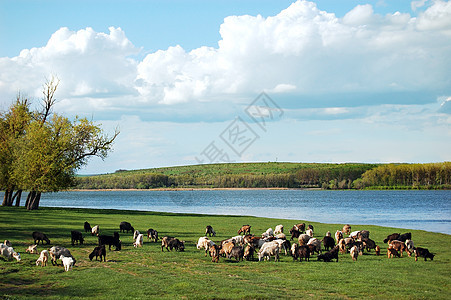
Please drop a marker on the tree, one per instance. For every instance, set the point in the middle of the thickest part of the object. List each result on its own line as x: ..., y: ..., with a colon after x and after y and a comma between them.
x: 52, y: 148
x: 13, y: 124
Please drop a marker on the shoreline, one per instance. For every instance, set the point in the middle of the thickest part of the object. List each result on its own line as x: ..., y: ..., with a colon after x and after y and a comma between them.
x: 209, y: 201
x: 187, y: 189
x: 323, y: 222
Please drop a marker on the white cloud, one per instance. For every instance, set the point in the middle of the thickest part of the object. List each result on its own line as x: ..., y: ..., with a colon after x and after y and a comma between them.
x: 360, y: 15
x: 282, y: 88
x: 302, y: 53
x: 437, y: 17
x: 417, y: 4
x: 88, y: 63
x: 308, y: 51
x: 336, y: 110
x: 445, y: 106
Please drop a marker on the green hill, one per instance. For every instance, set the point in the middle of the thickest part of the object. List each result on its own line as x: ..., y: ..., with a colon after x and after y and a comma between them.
x: 276, y: 175
x: 237, y: 175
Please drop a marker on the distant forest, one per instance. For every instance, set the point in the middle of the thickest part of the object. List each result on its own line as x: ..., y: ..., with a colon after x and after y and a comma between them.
x: 278, y: 175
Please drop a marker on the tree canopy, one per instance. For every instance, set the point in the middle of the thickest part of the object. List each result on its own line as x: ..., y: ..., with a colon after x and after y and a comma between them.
x: 40, y: 151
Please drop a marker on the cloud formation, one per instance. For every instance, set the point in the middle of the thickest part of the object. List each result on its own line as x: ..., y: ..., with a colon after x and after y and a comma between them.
x: 89, y: 64
x: 313, y: 53
x: 304, y: 56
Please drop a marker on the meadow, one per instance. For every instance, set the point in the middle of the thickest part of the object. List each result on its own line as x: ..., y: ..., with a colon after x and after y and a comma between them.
x: 148, y: 272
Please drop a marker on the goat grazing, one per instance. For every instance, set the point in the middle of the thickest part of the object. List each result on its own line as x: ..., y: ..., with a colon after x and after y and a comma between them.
x: 32, y: 249
x: 209, y: 230
x: 95, y: 230
x: 152, y: 234
x: 39, y: 236
x: 87, y: 227
x: 43, y: 258
x: 98, y: 251
x: 139, y: 241
x: 68, y: 262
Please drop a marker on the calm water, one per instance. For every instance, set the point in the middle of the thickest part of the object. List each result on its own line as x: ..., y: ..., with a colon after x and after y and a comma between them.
x: 426, y: 210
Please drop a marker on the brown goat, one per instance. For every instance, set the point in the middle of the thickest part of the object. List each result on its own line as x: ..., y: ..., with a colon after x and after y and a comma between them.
x: 246, y: 229
x: 226, y: 248
x: 392, y: 253
x: 399, y: 246
x: 249, y: 252
x: 214, y: 253
x: 347, y: 229
x: 378, y: 250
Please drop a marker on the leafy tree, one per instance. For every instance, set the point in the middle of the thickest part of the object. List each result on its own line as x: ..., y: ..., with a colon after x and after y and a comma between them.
x: 13, y: 124
x: 51, y: 149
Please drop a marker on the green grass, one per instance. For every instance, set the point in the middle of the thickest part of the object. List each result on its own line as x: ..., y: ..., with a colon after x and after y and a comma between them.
x: 149, y: 273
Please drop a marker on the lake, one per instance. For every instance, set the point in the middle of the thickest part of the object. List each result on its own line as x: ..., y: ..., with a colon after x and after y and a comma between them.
x: 425, y: 210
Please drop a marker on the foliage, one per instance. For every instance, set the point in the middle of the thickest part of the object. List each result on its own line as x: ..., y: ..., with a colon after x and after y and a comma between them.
x: 430, y: 175
x: 53, y: 151
x: 41, y: 151
x: 13, y: 124
x: 148, y: 272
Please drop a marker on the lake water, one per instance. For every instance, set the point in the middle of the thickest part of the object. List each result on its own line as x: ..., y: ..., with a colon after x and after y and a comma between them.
x: 426, y: 210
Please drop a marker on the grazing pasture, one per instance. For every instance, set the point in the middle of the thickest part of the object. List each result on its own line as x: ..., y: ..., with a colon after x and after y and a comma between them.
x: 148, y: 272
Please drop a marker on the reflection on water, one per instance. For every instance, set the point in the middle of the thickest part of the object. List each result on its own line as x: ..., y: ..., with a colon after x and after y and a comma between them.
x: 426, y: 210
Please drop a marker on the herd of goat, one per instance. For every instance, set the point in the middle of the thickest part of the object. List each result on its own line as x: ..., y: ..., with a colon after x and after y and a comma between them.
x: 271, y: 243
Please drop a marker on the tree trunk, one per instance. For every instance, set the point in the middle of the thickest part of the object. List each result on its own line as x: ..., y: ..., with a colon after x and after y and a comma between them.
x: 17, y: 196
x: 34, y: 201
x: 7, y: 198
x: 30, y: 195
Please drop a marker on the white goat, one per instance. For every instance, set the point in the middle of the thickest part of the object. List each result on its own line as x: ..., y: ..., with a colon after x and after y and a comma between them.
x: 204, y: 243
x: 43, y: 258
x: 268, y: 233
x: 267, y: 250
x: 238, y: 240
x: 135, y: 234
x: 139, y: 241
x: 32, y: 249
x: 9, y: 252
x: 95, y: 230
x: 68, y: 262
x: 354, y: 234
x: 278, y: 229
x: 281, y: 236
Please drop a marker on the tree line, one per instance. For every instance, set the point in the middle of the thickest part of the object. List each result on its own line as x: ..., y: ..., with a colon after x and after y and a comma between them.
x: 430, y: 175
x: 41, y: 151
x: 325, y: 176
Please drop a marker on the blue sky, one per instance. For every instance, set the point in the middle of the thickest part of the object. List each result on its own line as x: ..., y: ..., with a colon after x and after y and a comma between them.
x: 344, y: 81
x: 153, y: 25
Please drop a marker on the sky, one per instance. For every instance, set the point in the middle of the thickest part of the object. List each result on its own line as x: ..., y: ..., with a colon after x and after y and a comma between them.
x: 189, y: 82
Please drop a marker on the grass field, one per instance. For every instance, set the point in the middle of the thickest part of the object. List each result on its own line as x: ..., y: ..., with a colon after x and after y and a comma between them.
x: 150, y: 273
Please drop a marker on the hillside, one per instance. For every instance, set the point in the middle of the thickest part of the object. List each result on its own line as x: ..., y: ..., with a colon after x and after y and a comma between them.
x: 276, y: 175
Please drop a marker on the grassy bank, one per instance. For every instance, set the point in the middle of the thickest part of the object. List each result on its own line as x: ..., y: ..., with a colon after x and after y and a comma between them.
x: 149, y: 273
